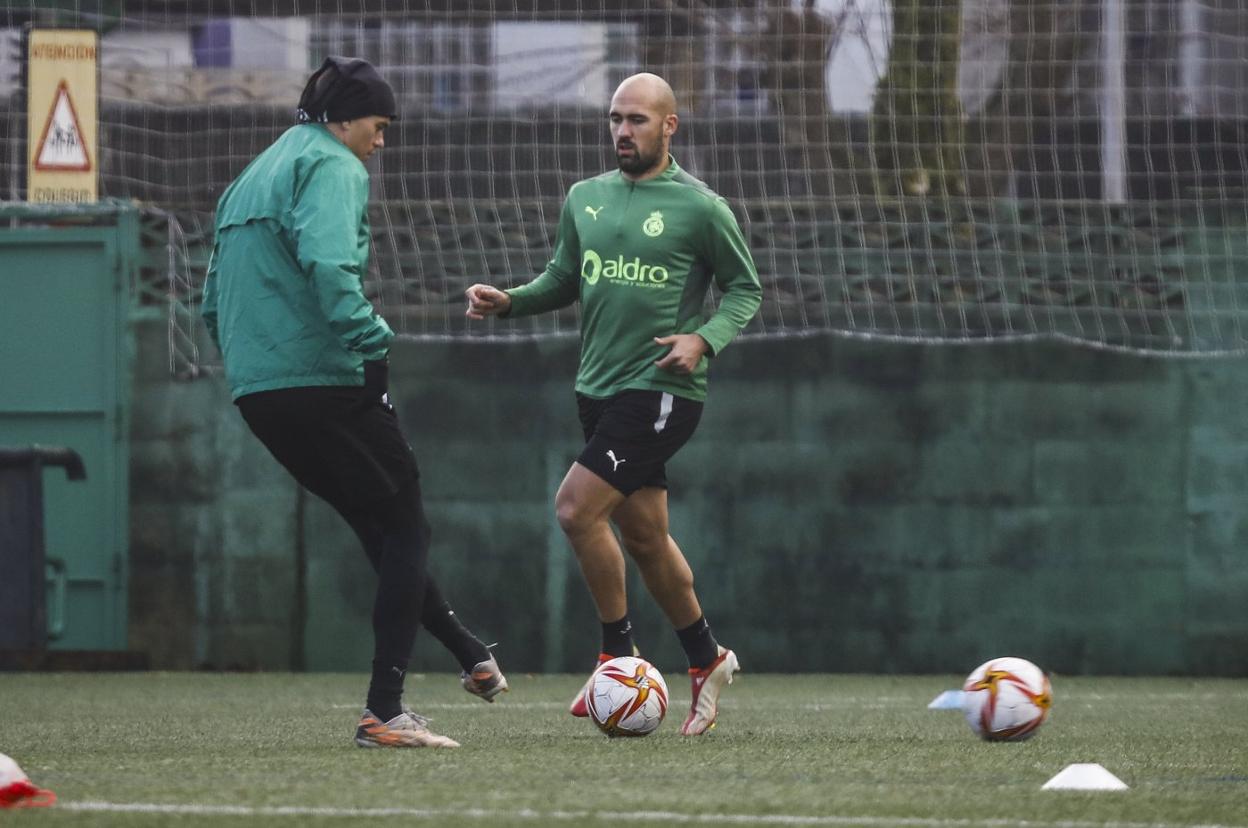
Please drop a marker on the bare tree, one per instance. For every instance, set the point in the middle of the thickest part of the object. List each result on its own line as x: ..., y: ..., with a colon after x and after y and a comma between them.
x: 917, y: 125
x: 794, y: 50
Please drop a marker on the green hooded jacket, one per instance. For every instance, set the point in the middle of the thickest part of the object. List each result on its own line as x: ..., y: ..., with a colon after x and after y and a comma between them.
x: 284, y: 300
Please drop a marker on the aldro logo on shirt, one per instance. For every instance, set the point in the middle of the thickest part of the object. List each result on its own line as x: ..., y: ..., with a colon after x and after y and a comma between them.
x: 621, y: 271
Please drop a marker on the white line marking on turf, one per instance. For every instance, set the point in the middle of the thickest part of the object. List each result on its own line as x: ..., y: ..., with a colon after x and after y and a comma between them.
x: 834, y: 702
x: 830, y: 706
x: 604, y: 816
x: 551, y: 705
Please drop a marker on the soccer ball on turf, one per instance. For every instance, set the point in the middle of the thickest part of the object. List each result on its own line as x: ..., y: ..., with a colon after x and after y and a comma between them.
x: 626, y: 696
x: 1006, y: 699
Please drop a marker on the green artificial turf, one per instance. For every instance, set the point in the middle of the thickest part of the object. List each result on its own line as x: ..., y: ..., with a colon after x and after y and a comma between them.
x: 275, y: 749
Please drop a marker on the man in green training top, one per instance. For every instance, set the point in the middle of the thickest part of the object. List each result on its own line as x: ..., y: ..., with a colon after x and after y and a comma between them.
x: 639, y: 247
x: 305, y: 356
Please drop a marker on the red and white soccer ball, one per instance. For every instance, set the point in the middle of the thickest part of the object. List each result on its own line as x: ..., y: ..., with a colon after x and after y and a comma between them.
x: 1006, y: 699
x: 626, y: 696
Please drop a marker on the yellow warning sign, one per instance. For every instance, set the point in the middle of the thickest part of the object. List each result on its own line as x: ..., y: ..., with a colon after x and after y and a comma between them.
x: 61, y: 116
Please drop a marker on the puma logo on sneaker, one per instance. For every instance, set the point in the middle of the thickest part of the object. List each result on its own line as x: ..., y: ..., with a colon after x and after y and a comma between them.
x: 616, y: 466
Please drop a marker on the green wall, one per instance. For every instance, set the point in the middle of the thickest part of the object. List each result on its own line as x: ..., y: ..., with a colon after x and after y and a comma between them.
x: 846, y: 506
x: 65, y: 356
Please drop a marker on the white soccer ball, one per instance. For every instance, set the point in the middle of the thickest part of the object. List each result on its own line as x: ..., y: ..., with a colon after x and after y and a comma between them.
x: 1006, y: 699
x: 626, y: 696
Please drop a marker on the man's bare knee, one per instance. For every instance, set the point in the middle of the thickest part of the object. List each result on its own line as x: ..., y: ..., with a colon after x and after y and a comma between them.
x: 583, y: 503
x: 576, y: 518
x: 572, y: 520
x: 645, y: 545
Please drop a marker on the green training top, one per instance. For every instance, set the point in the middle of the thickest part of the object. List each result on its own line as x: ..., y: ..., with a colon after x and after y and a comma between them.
x: 640, y: 256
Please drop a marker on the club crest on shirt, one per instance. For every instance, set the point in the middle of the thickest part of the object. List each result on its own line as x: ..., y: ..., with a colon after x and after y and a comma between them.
x: 653, y: 226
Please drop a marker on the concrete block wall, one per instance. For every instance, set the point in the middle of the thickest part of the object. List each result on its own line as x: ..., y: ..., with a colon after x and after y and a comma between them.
x: 211, y: 584
x: 846, y: 506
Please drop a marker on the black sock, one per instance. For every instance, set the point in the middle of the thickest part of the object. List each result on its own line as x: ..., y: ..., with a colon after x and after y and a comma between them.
x: 617, y: 637
x: 699, y: 643
x: 385, y: 691
x: 402, y: 553
x: 444, y: 625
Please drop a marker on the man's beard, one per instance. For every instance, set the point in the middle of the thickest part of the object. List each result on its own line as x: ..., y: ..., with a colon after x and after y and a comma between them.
x: 638, y: 163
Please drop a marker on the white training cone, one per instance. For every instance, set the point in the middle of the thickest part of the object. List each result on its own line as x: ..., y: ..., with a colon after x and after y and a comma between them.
x: 1084, y: 777
x: 947, y: 700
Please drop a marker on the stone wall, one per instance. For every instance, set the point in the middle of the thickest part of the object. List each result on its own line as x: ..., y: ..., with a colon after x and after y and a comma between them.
x: 846, y: 506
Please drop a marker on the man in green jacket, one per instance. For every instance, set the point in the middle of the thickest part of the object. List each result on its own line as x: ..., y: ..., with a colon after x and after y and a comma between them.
x: 305, y: 356
x: 639, y: 248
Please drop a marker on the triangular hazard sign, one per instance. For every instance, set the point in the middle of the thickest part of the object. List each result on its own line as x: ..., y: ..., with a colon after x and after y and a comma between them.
x: 61, y: 147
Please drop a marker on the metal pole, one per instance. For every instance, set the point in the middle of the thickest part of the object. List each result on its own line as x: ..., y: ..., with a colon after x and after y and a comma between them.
x: 1191, y: 56
x: 1113, y: 102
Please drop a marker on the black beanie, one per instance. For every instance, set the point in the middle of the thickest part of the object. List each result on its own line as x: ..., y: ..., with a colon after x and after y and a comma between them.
x: 344, y: 89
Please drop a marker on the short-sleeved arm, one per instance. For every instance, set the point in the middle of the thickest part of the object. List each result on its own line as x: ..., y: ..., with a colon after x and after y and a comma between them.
x: 559, y: 284
x: 735, y: 276
x: 330, y: 228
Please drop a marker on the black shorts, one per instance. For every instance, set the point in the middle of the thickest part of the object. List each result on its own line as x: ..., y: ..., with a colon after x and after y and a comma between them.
x: 344, y: 449
x: 630, y: 436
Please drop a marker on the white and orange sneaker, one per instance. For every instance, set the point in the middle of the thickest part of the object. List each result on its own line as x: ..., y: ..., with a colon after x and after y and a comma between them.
x: 485, y: 681
x: 578, y: 707
x: 406, y: 730
x: 708, y: 682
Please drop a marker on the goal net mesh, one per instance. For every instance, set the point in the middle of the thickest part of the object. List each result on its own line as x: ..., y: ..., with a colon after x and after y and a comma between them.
x: 917, y: 170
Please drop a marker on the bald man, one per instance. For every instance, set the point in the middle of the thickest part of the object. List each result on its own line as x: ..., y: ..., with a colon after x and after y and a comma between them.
x: 639, y: 247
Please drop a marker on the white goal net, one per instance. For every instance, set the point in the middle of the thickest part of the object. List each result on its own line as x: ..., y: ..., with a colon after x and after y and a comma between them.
x: 922, y: 170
